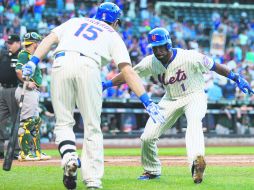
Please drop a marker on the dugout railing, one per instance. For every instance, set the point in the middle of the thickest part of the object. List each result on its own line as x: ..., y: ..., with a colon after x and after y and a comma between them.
x: 122, y: 118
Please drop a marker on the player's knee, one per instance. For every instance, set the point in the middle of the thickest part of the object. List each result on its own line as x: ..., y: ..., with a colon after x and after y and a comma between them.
x: 37, y: 122
x: 29, y: 123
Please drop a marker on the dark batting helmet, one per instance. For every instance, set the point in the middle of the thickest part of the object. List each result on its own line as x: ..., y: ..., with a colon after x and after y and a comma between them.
x: 31, y: 37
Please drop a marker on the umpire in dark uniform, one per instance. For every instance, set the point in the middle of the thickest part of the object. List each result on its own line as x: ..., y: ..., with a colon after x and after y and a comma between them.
x: 8, y: 85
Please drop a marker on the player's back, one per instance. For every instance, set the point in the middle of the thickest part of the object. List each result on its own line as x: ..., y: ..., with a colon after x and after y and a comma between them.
x: 88, y: 36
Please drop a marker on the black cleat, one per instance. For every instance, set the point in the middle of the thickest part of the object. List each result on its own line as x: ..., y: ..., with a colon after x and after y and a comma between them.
x: 70, y: 182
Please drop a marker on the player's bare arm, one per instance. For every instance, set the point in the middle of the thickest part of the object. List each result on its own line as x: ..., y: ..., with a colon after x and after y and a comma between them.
x: 221, y: 69
x: 118, y: 80
x: 131, y: 78
x: 239, y: 80
x: 46, y: 45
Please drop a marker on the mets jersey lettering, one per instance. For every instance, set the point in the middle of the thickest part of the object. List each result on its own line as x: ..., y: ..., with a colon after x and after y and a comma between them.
x: 184, y: 75
x: 180, y: 75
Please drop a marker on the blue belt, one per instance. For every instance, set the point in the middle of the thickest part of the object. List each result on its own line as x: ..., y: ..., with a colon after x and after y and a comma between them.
x: 61, y: 54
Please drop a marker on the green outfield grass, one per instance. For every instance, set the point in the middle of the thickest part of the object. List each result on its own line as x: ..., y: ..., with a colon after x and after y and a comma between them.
x: 179, y: 151
x: 124, y: 178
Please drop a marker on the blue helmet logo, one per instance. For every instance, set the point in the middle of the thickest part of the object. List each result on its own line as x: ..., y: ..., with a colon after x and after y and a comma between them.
x: 108, y: 12
x: 159, y: 37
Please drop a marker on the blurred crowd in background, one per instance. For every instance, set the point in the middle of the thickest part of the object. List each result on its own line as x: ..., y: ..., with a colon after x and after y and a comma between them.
x: 139, y: 17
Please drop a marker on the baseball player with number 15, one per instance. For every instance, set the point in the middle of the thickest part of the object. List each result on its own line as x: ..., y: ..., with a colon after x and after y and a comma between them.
x: 181, y: 73
x: 83, y: 46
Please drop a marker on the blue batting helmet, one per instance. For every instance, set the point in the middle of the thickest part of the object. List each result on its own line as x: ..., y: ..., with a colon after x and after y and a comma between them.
x: 108, y: 12
x: 158, y: 37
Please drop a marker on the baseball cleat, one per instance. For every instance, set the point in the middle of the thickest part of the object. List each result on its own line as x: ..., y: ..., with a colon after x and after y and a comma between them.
x: 148, y: 176
x: 70, y: 172
x: 44, y: 156
x: 28, y: 157
x: 198, y: 168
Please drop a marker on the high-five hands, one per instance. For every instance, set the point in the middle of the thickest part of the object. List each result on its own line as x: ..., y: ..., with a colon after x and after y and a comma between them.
x: 152, y: 109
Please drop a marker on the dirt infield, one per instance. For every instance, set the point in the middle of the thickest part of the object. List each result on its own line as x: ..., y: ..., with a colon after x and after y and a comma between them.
x: 228, y: 160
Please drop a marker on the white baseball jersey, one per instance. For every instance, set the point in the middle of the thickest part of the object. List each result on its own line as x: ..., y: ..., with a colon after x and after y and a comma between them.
x: 93, y: 38
x: 184, y: 75
x: 184, y: 84
x: 76, y: 80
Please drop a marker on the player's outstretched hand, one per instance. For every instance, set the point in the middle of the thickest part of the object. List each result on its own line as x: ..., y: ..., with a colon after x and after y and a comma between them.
x: 154, y: 111
x: 243, y: 85
x: 104, y: 87
x: 28, y: 69
x: 106, y: 84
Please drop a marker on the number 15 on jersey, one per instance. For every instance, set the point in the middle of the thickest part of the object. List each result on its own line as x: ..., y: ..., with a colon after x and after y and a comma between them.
x: 88, y: 31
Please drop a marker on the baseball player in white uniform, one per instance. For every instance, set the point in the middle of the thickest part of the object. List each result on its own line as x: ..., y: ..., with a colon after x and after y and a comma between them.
x: 181, y: 73
x: 84, y: 45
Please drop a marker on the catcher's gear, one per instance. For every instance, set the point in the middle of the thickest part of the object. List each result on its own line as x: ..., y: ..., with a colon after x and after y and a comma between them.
x: 24, y: 135
x: 159, y: 37
x: 31, y: 37
x: 36, y: 135
x: 37, y: 141
x: 108, y: 12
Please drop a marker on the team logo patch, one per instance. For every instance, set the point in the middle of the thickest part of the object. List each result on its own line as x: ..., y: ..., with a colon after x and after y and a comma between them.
x: 154, y: 37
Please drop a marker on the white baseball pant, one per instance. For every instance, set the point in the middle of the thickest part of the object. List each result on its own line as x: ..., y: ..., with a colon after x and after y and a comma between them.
x: 194, y: 106
x: 76, y: 80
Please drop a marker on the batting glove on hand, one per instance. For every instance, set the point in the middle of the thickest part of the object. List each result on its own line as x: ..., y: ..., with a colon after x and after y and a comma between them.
x: 154, y: 111
x: 103, y: 86
x: 106, y: 85
x: 243, y: 84
x: 28, y: 69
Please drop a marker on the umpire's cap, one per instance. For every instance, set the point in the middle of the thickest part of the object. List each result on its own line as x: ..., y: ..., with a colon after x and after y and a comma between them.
x: 108, y: 12
x: 31, y: 37
x: 13, y: 38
